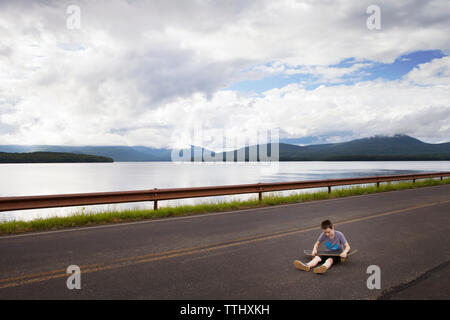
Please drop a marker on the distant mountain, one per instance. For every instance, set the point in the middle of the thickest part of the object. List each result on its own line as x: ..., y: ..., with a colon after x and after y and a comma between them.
x: 398, y: 147
x: 118, y: 153
x: 49, y: 157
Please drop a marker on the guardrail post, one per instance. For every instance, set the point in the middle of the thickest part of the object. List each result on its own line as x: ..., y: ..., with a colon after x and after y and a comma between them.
x: 329, y: 189
x: 414, y: 180
x: 441, y: 178
x: 155, y: 202
x: 378, y: 184
x: 259, y: 193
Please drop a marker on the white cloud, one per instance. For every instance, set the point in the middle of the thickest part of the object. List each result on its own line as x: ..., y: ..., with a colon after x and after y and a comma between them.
x: 435, y: 72
x: 138, y: 69
x: 366, y: 108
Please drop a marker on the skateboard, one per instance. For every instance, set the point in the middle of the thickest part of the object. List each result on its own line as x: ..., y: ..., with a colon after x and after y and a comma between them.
x: 330, y: 253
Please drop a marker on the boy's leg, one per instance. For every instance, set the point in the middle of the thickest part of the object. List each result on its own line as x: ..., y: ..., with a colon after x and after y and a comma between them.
x: 307, y: 266
x: 328, y: 263
x: 314, y: 261
x: 324, y: 267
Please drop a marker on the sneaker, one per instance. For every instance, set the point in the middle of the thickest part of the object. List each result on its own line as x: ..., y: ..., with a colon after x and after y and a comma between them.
x: 301, y: 266
x: 321, y: 269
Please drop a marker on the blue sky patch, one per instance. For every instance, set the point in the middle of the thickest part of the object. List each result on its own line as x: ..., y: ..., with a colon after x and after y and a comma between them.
x: 363, y: 70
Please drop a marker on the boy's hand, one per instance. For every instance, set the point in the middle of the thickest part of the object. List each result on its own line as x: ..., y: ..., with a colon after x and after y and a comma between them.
x: 343, y: 255
x: 314, y: 252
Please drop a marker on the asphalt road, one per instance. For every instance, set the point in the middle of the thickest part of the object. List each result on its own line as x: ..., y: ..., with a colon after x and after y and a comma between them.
x: 244, y: 254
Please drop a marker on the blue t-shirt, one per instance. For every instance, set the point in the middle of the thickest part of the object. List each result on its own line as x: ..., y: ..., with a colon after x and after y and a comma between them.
x: 337, y: 243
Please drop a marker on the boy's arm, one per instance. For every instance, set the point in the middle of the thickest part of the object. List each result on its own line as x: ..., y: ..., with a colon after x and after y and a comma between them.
x: 346, y: 250
x: 316, y: 245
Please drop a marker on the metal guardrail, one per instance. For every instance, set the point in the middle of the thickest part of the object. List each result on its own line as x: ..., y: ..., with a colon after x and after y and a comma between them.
x: 79, y: 199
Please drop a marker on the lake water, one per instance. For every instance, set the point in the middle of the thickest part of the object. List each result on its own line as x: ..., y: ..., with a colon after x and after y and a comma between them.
x: 39, y: 179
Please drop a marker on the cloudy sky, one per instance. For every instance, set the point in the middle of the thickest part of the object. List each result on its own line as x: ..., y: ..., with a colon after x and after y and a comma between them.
x: 131, y: 72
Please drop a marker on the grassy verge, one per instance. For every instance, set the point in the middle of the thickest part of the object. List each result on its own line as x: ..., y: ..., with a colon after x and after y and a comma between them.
x: 113, y: 216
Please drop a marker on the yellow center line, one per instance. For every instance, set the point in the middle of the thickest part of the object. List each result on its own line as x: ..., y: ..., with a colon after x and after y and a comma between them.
x: 60, y: 273
x: 32, y: 275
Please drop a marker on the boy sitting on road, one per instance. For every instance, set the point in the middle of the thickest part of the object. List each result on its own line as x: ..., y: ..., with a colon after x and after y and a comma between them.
x: 334, y: 241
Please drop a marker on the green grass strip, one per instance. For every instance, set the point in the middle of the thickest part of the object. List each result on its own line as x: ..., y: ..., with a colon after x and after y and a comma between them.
x: 87, y: 218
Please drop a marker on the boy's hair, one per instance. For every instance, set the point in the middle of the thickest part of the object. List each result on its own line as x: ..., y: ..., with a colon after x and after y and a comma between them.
x: 326, y: 224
